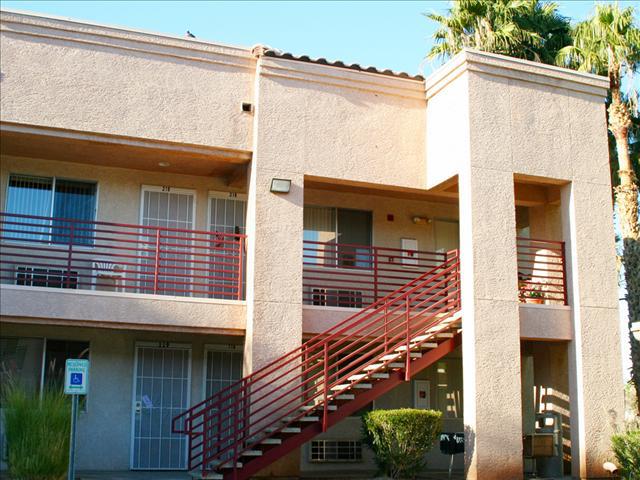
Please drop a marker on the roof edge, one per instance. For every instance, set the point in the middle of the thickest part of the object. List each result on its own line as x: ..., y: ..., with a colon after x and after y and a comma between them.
x: 516, y: 68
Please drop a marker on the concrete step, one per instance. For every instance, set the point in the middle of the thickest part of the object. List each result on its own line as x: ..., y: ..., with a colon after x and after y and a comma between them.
x: 302, y: 419
x: 361, y: 386
x: 345, y: 396
x: 284, y: 430
x: 251, y: 453
x: 360, y: 376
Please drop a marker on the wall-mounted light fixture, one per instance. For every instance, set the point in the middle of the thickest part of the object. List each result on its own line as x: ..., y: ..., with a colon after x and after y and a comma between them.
x: 280, y: 185
x: 418, y: 220
x: 635, y: 328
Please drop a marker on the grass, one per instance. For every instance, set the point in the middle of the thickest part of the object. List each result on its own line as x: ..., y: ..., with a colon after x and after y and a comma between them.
x: 37, y: 432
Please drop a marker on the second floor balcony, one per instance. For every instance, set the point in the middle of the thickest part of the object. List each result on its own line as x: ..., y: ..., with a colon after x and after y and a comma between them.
x: 39, y: 251
x: 64, y: 253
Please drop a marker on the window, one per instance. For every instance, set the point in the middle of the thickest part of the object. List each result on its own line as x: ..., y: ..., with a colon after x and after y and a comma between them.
x: 336, y: 451
x: 37, y: 363
x: 52, y: 197
x: 337, y: 237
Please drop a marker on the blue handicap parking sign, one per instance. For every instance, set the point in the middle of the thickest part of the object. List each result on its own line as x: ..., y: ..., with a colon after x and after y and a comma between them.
x: 76, y: 378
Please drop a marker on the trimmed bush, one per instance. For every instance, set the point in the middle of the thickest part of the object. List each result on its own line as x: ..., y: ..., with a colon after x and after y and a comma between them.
x: 401, y: 438
x: 37, y: 432
x: 626, y: 447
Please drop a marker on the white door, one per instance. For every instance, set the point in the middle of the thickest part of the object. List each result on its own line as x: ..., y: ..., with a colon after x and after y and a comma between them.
x: 161, y: 390
x: 421, y: 394
x: 172, y: 208
x: 227, y: 214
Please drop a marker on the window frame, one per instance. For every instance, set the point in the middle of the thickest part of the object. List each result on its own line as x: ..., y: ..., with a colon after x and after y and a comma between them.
x: 51, y: 226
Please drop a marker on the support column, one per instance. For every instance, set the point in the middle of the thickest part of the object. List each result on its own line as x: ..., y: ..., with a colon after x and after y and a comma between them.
x: 274, y: 268
x: 490, y: 325
x: 595, y: 362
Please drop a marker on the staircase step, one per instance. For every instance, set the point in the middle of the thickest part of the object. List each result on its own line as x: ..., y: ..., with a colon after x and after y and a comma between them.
x: 360, y: 376
x: 375, y: 366
x: 271, y: 441
x: 429, y: 345
x: 301, y: 419
x: 345, y: 396
x: 224, y: 464
x: 284, y: 430
x: 251, y: 453
x: 393, y: 356
x: 319, y: 406
x: 445, y: 335
x: 363, y: 386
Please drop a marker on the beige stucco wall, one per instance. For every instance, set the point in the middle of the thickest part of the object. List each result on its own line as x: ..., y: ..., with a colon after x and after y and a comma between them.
x: 343, y: 124
x: 136, y: 84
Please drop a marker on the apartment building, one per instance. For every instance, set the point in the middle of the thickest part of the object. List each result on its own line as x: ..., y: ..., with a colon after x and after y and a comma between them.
x: 252, y: 248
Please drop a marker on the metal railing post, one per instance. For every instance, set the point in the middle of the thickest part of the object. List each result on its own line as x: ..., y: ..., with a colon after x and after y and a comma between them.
x: 565, y: 296
x: 240, y: 266
x: 156, y: 263
x: 70, y: 255
x: 325, y: 412
x: 374, y: 250
x: 407, y: 372
x: 235, y: 440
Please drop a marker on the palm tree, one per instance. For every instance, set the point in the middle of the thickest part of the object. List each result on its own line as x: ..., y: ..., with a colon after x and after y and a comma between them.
x: 527, y: 29
x: 609, y: 44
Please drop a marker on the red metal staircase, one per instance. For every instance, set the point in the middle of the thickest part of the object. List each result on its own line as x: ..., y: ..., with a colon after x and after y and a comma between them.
x: 267, y: 414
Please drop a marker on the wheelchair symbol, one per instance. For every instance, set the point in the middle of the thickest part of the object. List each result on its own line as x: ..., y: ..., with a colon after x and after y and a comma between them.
x: 76, y: 379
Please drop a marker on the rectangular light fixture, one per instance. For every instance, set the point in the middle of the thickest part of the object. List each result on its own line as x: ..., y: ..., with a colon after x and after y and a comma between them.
x: 280, y: 185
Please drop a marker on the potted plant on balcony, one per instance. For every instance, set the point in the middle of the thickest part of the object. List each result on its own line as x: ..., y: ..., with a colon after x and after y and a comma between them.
x: 531, y: 293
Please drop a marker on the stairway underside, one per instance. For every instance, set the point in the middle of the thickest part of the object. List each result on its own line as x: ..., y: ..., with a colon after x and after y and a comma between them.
x: 301, y: 432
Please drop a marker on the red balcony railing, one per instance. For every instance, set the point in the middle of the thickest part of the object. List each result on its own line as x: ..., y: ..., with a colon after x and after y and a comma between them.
x: 77, y: 254
x: 541, y: 271
x: 350, y: 275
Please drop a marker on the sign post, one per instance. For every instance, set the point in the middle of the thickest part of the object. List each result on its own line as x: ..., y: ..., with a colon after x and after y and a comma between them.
x: 76, y: 382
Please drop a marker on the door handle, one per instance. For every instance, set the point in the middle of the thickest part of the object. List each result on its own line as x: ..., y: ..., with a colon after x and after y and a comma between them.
x: 138, y: 406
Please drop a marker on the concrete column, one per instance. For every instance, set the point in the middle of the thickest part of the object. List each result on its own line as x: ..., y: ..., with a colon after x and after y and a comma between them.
x: 490, y: 325
x: 595, y: 369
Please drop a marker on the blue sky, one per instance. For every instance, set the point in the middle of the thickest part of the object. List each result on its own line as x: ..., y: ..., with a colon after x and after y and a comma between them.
x: 387, y: 34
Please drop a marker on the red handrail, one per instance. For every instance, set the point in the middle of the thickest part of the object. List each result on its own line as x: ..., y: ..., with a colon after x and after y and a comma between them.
x: 80, y: 254
x: 354, y: 275
x: 265, y: 402
x: 541, y: 271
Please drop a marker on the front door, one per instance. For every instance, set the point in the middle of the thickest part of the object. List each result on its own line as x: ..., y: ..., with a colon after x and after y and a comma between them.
x: 161, y: 390
x: 446, y: 235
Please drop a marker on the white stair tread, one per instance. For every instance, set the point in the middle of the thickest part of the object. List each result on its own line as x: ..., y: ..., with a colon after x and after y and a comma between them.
x: 429, y: 345
x: 345, y: 396
x: 225, y: 464
x: 283, y: 430
x: 360, y: 376
x: 271, y: 441
x: 445, y: 335
x: 302, y: 419
x: 251, y: 453
x: 318, y: 406
x: 345, y: 386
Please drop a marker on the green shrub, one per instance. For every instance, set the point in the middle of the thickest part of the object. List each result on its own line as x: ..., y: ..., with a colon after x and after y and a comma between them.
x: 37, y: 432
x: 401, y: 438
x: 626, y: 447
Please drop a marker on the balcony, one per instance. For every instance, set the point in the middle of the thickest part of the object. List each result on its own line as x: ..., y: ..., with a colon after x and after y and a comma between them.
x: 354, y: 276
x: 80, y: 255
x: 541, y: 271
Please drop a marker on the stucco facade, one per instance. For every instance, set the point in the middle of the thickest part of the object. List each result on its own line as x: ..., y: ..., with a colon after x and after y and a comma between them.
x: 417, y: 161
